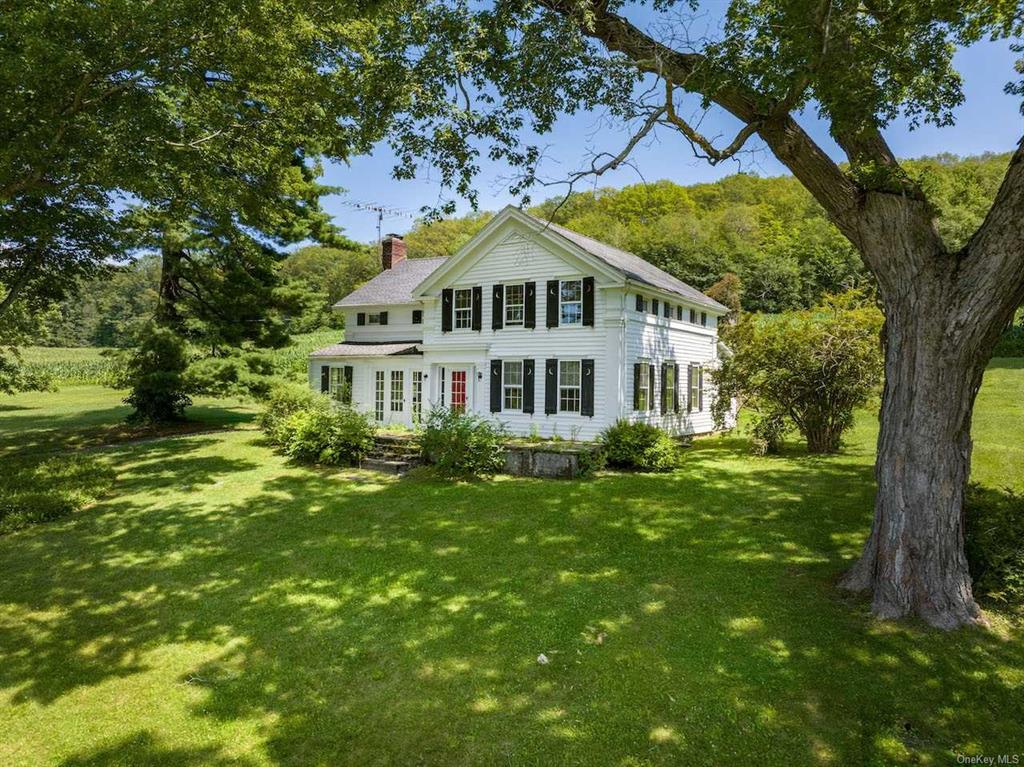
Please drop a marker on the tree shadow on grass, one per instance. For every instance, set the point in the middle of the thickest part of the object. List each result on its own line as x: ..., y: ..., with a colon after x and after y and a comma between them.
x: 687, y: 616
x: 142, y: 750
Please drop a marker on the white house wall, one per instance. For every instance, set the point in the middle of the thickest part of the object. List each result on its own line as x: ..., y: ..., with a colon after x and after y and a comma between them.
x: 399, y: 328
x: 516, y: 259
x: 658, y: 340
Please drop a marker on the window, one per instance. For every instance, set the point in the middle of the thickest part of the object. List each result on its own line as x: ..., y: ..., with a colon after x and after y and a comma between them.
x: 643, y: 388
x: 374, y: 318
x: 668, y: 388
x: 512, y: 383
x: 397, y: 391
x: 668, y: 311
x: 679, y: 313
x: 515, y: 302
x: 654, y: 306
x: 417, y: 395
x: 571, y: 303
x: 569, y: 386
x: 693, y: 316
x: 417, y: 316
x: 641, y: 303
x: 338, y: 389
x: 378, y: 395
x: 704, y: 319
x: 463, y: 308
x: 696, y: 374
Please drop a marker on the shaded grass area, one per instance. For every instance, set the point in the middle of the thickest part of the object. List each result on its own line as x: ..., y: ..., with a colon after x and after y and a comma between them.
x: 228, y: 607
x: 89, y: 416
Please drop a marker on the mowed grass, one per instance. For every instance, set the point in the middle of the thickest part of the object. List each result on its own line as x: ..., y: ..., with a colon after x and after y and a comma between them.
x: 225, y: 607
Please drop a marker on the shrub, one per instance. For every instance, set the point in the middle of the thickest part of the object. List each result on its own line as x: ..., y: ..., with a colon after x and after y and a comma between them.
x: 34, y: 491
x: 155, y: 372
x: 239, y: 374
x: 462, y: 444
x: 279, y: 405
x: 334, y: 435
x: 640, y: 446
x: 994, y: 543
x: 810, y: 368
x: 1011, y: 343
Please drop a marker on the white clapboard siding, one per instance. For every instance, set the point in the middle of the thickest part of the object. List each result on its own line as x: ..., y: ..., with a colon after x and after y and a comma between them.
x: 518, y: 259
x: 399, y: 327
x: 658, y: 340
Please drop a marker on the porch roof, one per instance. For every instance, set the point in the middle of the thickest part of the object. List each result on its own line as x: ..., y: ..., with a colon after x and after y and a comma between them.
x: 367, y: 349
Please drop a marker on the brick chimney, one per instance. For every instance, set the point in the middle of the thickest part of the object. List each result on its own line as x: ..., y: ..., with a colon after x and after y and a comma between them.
x: 392, y: 251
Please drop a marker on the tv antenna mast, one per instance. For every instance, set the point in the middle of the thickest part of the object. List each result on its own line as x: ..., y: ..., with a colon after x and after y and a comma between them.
x: 390, y: 211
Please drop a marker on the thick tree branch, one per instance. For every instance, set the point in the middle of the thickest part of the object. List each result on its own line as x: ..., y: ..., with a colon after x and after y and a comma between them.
x: 693, y: 72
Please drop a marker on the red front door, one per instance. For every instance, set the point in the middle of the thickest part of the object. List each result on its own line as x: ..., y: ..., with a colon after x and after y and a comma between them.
x: 459, y: 391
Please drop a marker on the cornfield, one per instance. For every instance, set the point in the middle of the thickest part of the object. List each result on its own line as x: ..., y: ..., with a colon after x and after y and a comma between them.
x: 70, y: 366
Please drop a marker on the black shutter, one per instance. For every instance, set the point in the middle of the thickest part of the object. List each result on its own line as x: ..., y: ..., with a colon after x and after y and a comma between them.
x: 679, y: 313
x: 668, y: 310
x: 652, y: 379
x: 325, y: 379
x: 588, y: 300
x: 587, y: 388
x: 689, y: 388
x: 417, y: 316
x: 552, y: 304
x: 675, y: 394
x: 361, y: 318
x: 700, y: 388
x: 704, y: 319
x: 693, y: 316
x: 654, y: 306
x: 639, y: 302
x: 550, y: 386
x: 347, y: 394
x: 383, y: 318
x: 664, y: 389
x: 636, y: 384
x: 497, y: 310
x: 495, y: 386
x: 446, y: 310
x: 527, y: 386
x: 530, y: 308
x: 478, y: 302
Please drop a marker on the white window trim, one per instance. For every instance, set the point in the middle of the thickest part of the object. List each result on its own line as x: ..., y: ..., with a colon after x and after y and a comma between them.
x: 562, y: 303
x: 578, y: 387
x: 645, y: 386
x: 505, y: 386
x: 399, y: 376
x: 468, y: 309
x: 522, y: 304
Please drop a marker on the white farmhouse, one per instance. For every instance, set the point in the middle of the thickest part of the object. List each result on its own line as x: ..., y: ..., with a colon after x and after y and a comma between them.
x: 530, y: 324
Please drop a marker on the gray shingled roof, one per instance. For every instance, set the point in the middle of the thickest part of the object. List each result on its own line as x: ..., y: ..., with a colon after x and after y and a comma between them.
x: 634, y: 267
x: 368, y: 350
x: 393, y: 286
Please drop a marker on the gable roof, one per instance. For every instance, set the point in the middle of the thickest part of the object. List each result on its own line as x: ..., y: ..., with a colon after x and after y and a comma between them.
x: 632, y: 266
x: 394, y: 285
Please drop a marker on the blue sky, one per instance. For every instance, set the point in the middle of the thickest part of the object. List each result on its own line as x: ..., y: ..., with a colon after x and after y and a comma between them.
x: 989, y: 120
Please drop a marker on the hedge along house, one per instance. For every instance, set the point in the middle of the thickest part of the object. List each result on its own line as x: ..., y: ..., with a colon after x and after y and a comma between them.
x: 530, y: 324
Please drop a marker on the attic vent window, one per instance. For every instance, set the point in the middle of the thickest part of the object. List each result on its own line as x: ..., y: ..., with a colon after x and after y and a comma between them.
x: 374, y: 318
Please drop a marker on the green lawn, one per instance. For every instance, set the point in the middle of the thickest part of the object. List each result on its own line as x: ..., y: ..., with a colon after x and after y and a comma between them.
x: 224, y: 607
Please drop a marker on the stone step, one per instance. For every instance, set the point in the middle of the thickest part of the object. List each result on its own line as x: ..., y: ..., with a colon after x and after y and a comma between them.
x: 387, y: 467
x: 377, y: 452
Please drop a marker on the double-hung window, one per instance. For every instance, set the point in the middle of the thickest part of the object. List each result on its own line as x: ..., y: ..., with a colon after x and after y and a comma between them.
x: 569, y: 386
x: 463, y: 308
x: 643, y: 388
x: 515, y: 304
x: 570, y: 299
x: 696, y: 376
x: 512, y: 384
x: 397, y: 391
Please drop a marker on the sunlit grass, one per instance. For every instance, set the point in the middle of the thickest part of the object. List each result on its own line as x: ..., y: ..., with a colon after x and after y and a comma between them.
x: 224, y: 606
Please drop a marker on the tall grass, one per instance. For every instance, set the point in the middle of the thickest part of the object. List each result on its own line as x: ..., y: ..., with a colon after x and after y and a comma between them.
x: 71, y: 366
